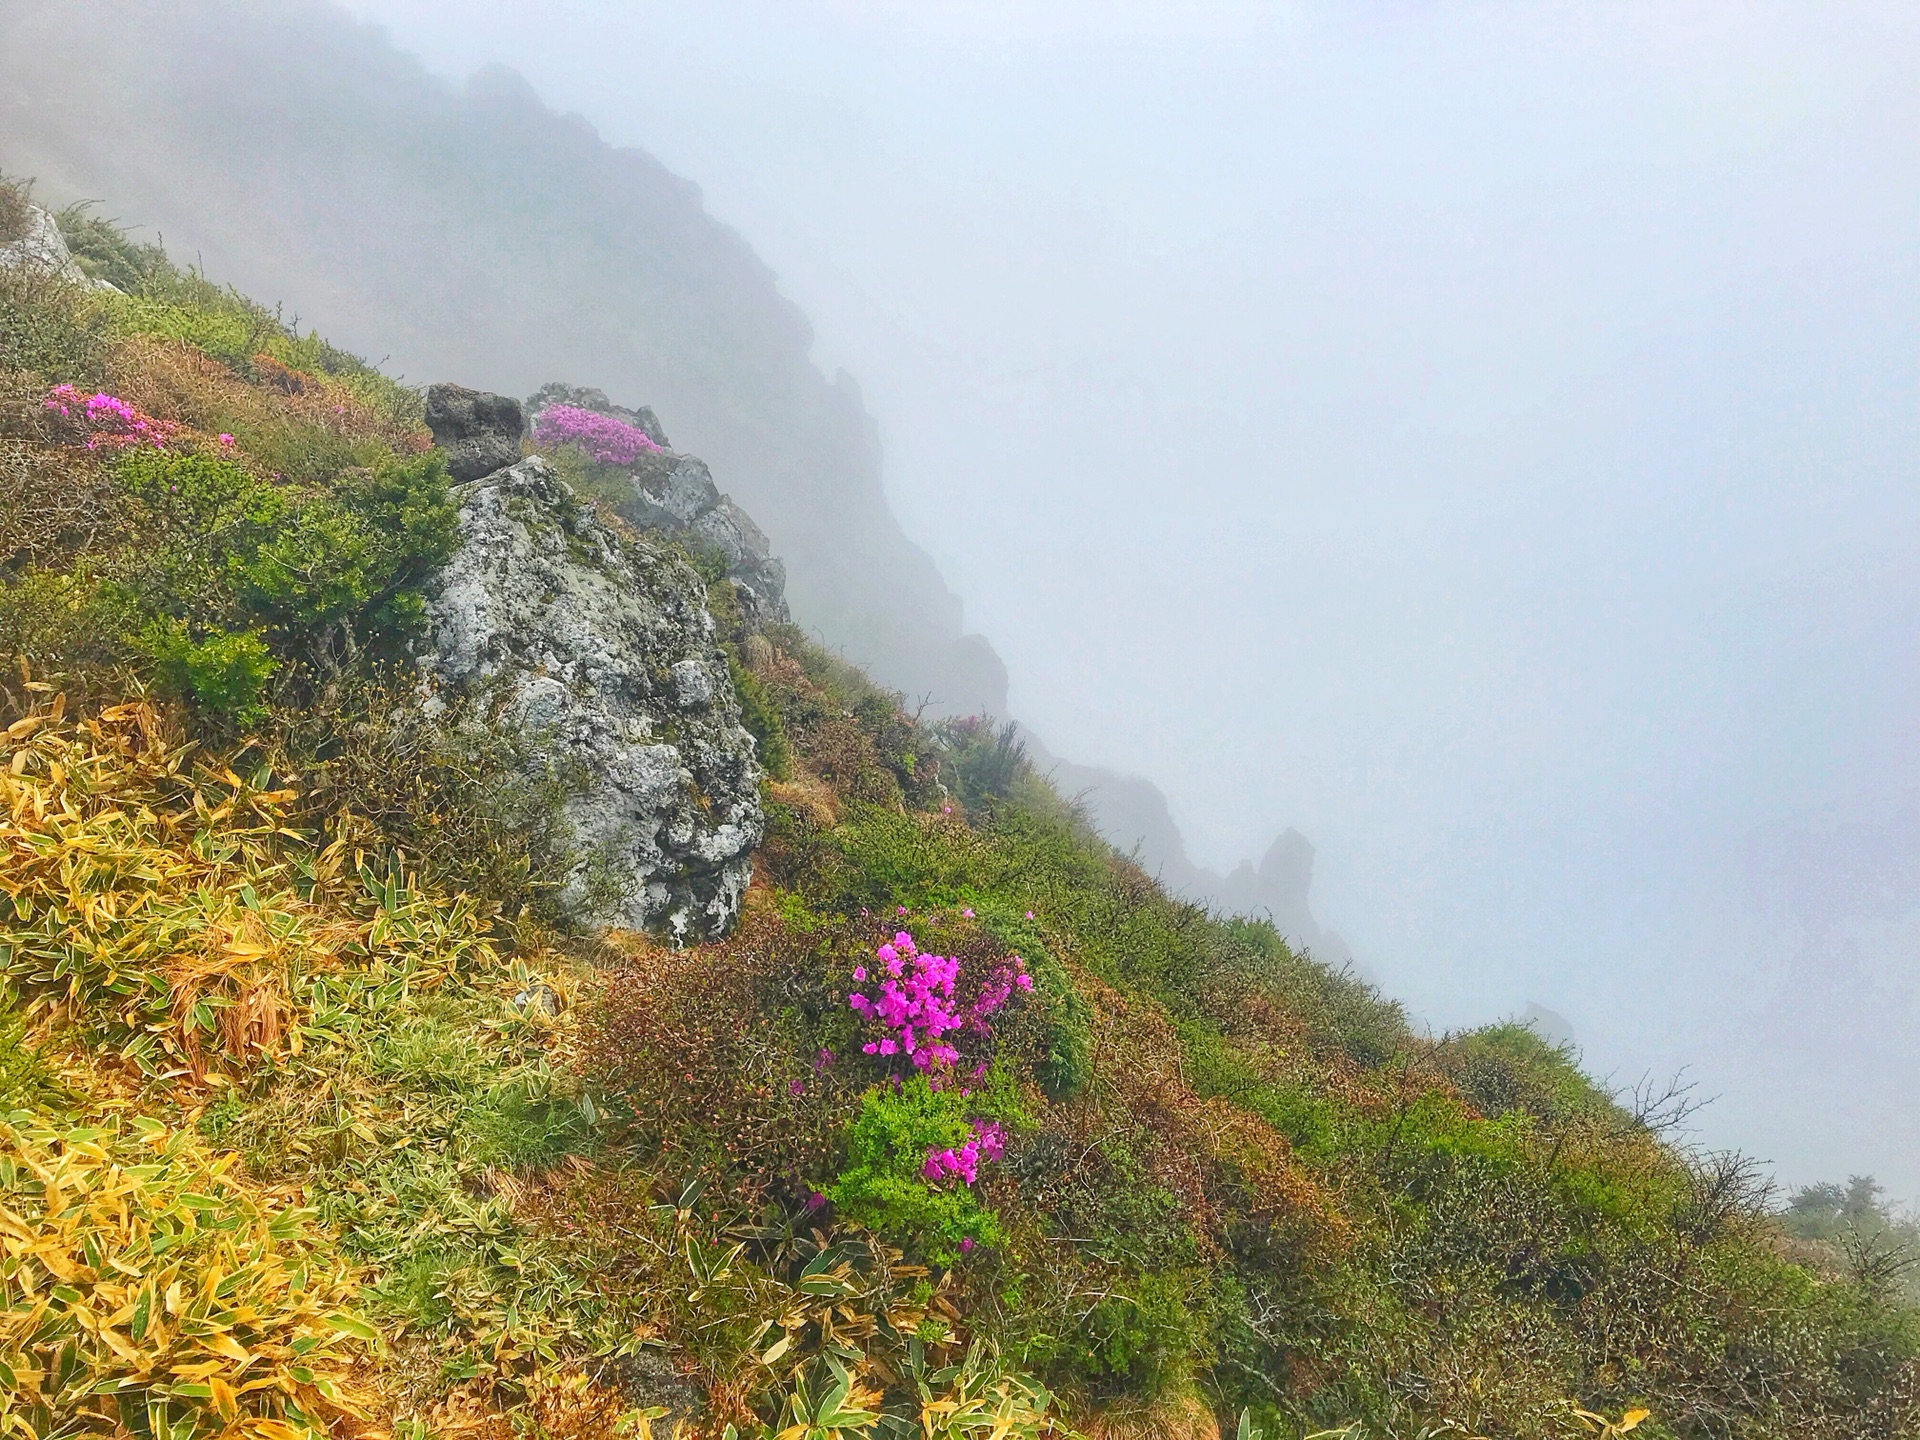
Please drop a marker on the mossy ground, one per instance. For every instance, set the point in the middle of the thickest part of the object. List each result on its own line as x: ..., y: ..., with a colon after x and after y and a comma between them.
x: 284, y: 953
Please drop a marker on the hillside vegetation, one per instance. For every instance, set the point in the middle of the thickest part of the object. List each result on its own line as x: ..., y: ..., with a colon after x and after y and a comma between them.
x: 315, y: 1120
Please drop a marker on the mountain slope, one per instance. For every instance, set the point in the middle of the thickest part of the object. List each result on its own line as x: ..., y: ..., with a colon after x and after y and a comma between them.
x: 474, y: 232
x: 317, y: 1115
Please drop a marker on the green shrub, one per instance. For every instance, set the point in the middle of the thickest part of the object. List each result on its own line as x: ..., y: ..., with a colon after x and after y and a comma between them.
x: 222, y: 674
x: 1142, y: 1338
x: 762, y: 719
x: 232, y: 550
x: 103, y: 250
x: 1056, y: 1014
x: 68, y: 624
x: 50, y: 326
x: 16, y: 198
x: 988, y: 761
x: 882, y: 1186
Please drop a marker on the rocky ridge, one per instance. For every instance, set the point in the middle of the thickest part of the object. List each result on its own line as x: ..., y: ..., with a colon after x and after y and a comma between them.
x: 675, y: 494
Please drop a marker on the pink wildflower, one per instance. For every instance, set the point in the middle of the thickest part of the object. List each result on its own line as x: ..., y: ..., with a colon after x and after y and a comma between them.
x: 601, y: 437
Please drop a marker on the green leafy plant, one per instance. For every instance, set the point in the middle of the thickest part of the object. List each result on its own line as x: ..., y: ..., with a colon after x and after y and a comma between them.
x: 980, y: 1398
x: 223, y: 674
x: 884, y: 1185
x: 834, y: 1405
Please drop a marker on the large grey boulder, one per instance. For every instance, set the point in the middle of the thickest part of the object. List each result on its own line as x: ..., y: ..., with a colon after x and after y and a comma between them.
x: 599, y: 652
x: 480, y: 432
x: 676, y: 495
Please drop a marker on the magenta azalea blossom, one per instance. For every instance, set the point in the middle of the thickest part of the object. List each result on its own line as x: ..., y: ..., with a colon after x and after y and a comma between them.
x: 987, y: 1142
x: 108, y: 420
x: 601, y: 437
x: 915, y: 1003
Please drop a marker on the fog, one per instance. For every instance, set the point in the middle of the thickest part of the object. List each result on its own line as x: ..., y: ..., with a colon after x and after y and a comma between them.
x: 1483, y: 438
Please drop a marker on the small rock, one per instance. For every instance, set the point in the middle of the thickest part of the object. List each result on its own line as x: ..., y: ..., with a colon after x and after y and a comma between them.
x: 480, y: 432
x: 538, y: 999
x: 693, y: 684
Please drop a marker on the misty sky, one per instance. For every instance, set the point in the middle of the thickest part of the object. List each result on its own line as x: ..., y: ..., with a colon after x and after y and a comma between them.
x: 1483, y: 437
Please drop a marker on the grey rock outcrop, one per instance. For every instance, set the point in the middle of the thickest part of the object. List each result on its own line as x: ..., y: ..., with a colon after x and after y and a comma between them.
x: 600, y: 653
x: 479, y: 432
x: 43, y: 247
x: 675, y: 494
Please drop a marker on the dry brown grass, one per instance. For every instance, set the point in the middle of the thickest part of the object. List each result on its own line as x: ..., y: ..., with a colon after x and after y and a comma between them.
x: 172, y: 378
x: 1176, y: 1415
x: 810, y: 797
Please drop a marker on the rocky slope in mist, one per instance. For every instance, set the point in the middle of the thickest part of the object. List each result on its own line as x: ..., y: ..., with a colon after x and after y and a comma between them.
x: 474, y: 232
x: 1132, y: 814
x: 326, y: 1109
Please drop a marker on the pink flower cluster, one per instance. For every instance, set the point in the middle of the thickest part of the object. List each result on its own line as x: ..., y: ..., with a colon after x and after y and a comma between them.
x: 603, y: 438
x: 916, y: 1006
x: 987, y: 1142
x: 108, y: 420
x: 915, y: 1003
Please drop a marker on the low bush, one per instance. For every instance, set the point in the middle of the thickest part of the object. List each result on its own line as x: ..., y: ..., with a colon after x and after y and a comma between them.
x: 51, y: 327
x: 16, y: 213
x: 892, y: 1146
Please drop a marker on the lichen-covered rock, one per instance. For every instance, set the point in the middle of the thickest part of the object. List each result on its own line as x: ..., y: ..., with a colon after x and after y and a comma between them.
x: 479, y: 432
x: 675, y: 494
x: 600, y: 652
